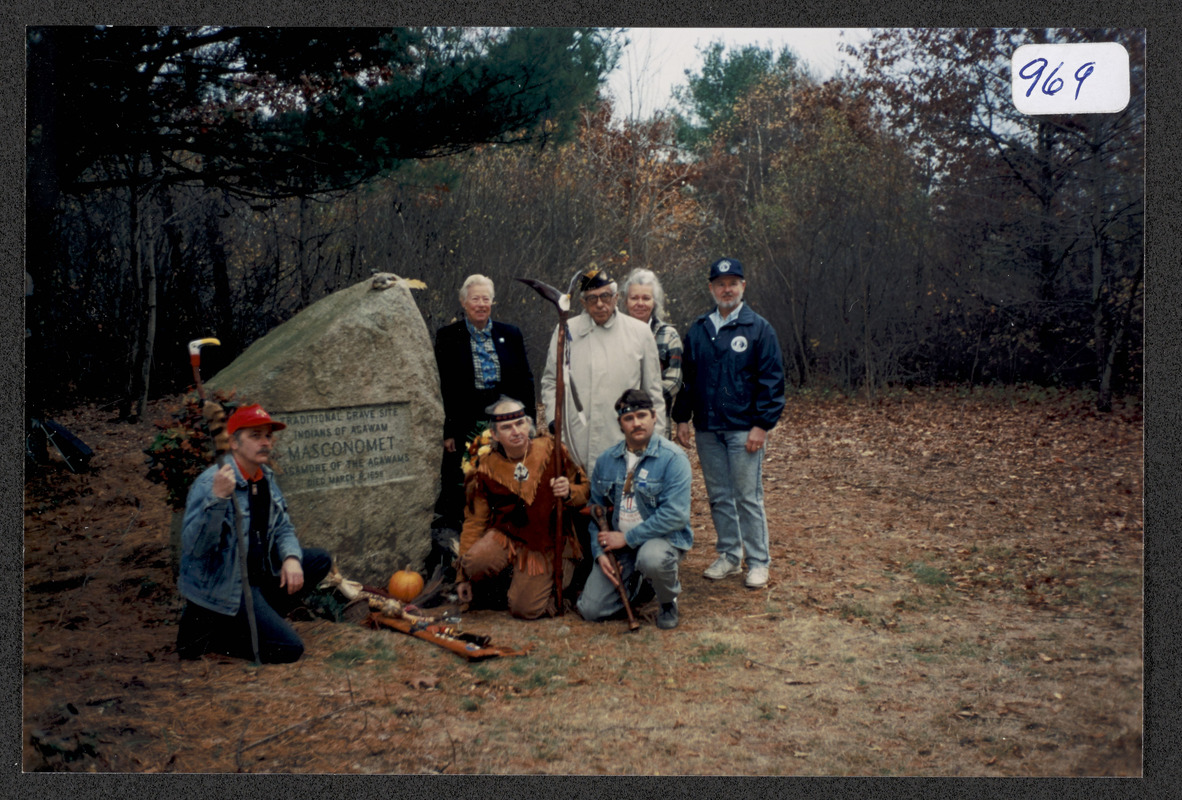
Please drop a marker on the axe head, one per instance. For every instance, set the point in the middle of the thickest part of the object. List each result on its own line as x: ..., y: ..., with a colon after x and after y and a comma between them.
x: 196, y: 345
x: 561, y: 301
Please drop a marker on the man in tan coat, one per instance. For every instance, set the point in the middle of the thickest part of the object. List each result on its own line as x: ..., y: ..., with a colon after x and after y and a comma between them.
x: 609, y: 353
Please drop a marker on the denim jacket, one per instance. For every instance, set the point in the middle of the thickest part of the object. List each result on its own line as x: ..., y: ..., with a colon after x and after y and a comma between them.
x: 210, y: 574
x: 661, y: 486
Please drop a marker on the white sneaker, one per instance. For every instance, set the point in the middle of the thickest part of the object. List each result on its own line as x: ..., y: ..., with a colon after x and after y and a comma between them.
x: 756, y: 578
x: 721, y: 568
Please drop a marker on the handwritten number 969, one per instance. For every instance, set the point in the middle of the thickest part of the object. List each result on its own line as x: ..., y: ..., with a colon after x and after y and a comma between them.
x: 1033, y: 70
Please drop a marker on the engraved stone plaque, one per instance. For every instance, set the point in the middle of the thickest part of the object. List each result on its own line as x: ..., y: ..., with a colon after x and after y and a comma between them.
x: 344, y: 447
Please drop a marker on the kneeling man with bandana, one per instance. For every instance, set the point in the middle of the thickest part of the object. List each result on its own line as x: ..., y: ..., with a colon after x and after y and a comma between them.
x: 645, y: 480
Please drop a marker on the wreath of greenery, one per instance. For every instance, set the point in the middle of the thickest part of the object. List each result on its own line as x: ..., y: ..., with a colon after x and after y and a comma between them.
x: 184, y: 446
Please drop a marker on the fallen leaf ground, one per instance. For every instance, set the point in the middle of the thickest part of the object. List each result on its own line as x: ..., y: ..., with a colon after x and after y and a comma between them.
x: 956, y: 590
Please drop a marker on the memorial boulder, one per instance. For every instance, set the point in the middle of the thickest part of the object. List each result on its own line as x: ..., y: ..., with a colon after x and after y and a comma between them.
x: 354, y: 378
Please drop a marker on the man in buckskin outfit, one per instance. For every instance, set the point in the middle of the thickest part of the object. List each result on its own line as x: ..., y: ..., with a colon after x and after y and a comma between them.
x: 509, y: 516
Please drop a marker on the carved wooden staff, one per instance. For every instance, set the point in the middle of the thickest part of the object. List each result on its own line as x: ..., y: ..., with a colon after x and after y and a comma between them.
x: 562, y: 303
x: 600, y: 515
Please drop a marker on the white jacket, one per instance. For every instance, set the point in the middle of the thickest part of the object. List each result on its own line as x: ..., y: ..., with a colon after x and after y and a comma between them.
x: 604, y: 362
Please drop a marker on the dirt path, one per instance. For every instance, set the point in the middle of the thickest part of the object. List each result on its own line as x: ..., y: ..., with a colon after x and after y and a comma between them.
x: 956, y: 590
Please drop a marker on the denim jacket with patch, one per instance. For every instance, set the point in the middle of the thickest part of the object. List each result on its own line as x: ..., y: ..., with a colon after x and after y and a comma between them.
x: 661, y: 486
x: 210, y: 574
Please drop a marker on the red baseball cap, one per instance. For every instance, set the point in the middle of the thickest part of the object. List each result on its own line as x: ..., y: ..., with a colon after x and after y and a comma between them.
x: 251, y: 416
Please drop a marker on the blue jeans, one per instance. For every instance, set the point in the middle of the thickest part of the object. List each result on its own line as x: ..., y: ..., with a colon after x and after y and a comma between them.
x: 655, y: 559
x: 204, y: 631
x: 734, y: 486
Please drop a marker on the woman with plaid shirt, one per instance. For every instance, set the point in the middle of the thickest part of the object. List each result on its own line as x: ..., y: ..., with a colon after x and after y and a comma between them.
x: 644, y: 299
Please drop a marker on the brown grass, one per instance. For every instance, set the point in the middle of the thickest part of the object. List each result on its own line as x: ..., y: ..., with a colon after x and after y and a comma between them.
x: 956, y: 591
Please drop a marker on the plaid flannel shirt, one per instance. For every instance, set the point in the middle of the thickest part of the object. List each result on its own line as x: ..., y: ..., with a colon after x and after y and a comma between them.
x: 669, y: 352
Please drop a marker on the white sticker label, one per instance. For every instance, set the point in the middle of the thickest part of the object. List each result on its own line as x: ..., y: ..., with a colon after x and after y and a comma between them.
x: 1085, y: 78
x: 739, y: 344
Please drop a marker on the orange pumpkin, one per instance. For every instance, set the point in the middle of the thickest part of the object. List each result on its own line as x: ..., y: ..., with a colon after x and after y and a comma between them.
x: 405, y: 585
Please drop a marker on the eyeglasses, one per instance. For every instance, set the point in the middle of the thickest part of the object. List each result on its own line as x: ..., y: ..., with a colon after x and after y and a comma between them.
x: 604, y: 298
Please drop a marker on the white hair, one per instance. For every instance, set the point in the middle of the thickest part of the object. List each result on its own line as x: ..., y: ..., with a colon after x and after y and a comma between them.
x: 475, y: 279
x: 646, y: 277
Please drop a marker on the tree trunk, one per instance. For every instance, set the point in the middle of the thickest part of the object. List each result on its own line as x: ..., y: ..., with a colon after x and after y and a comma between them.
x: 1097, y: 257
x: 152, y: 247
x: 304, y: 280
x: 1104, y: 396
x: 128, y: 411
x: 867, y: 337
x: 223, y: 298
x: 1047, y: 262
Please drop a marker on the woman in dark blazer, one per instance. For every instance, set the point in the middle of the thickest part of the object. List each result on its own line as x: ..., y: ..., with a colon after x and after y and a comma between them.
x: 498, y: 350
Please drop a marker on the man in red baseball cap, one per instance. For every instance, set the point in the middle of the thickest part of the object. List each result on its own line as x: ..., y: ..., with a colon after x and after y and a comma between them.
x: 252, y: 449
x: 216, y: 617
x: 250, y: 416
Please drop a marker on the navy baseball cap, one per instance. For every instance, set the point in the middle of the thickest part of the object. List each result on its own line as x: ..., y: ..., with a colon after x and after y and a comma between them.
x: 726, y: 266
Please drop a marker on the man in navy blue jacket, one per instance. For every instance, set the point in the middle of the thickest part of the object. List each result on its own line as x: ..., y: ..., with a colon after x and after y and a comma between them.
x: 734, y: 393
